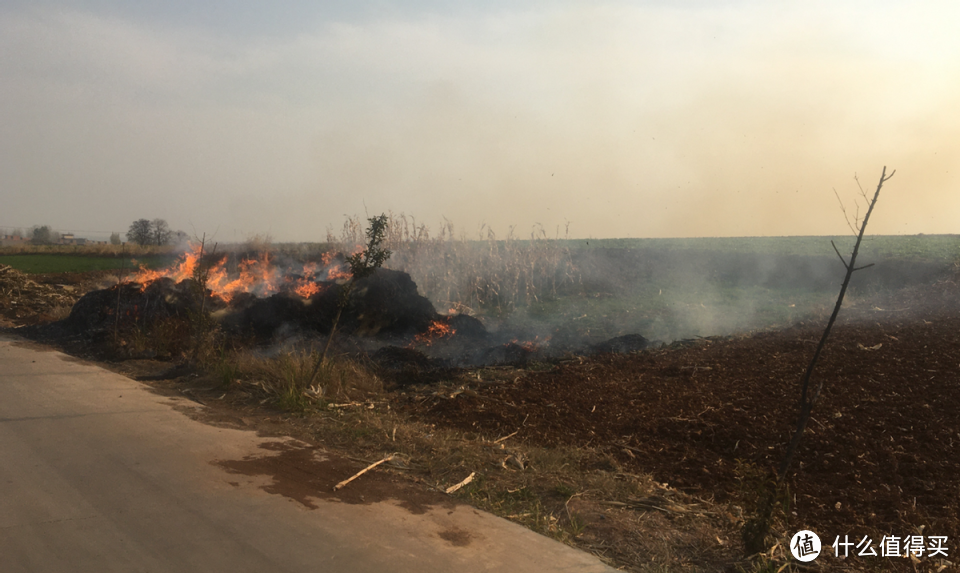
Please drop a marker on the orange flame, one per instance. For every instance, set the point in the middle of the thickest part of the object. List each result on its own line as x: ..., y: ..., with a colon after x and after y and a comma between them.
x: 258, y: 276
x: 338, y: 273
x: 307, y: 289
x: 531, y: 345
x: 181, y: 270
x: 437, y: 330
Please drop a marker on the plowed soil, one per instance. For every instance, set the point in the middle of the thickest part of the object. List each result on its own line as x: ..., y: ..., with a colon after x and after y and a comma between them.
x: 878, y: 458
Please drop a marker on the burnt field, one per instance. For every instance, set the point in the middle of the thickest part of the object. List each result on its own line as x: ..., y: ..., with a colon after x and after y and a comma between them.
x: 710, y: 419
x: 679, y: 367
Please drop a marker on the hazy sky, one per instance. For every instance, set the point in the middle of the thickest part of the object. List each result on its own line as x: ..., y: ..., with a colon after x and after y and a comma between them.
x: 627, y: 119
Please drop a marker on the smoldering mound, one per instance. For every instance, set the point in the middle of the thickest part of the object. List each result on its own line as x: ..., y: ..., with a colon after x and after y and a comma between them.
x: 384, y: 319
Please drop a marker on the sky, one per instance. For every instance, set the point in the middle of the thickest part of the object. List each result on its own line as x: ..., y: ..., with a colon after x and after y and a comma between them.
x: 609, y: 119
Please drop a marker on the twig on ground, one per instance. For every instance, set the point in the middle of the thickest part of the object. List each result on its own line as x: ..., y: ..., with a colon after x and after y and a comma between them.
x: 626, y: 447
x: 506, y: 437
x: 363, y: 471
x: 465, y: 481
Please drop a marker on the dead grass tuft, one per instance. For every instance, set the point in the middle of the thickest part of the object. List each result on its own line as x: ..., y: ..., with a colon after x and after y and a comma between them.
x: 285, y: 377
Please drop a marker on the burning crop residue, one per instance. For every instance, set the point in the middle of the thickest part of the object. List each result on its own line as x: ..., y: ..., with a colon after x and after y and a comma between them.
x: 307, y: 289
x: 438, y: 329
x: 259, y: 276
x: 530, y: 345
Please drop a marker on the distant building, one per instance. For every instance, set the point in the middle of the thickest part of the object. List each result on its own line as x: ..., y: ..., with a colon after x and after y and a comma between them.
x: 12, y: 240
x: 69, y: 239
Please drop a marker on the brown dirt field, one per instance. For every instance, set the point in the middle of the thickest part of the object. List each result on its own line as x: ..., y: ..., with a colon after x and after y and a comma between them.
x: 879, y: 457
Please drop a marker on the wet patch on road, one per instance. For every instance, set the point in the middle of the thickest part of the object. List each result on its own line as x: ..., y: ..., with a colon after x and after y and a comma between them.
x: 307, y: 474
x: 456, y: 536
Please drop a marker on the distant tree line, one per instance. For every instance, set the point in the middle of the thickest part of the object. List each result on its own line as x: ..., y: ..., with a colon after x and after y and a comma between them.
x: 142, y: 232
x: 43, y: 235
x: 156, y: 232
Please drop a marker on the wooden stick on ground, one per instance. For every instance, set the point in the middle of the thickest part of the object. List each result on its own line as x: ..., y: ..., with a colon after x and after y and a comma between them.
x: 363, y: 471
x: 506, y: 437
x: 466, y: 480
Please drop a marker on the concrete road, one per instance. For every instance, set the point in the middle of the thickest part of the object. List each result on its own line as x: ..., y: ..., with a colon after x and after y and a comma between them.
x: 98, y: 474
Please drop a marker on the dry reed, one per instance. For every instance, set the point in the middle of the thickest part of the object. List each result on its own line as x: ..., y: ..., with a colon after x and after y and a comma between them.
x: 486, y: 274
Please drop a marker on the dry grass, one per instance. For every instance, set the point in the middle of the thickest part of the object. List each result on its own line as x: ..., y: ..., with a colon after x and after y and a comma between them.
x: 164, y: 338
x: 285, y: 377
x: 60, y: 311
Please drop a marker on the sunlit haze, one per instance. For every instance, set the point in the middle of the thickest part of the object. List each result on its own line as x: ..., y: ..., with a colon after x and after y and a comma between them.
x: 642, y: 119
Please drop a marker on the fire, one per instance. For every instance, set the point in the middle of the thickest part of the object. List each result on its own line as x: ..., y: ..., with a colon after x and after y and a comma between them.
x: 307, y: 285
x: 307, y: 289
x: 184, y: 269
x: 338, y: 273
x: 531, y: 345
x: 334, y: 268
x: 437, y: 330
x: 258, y: 276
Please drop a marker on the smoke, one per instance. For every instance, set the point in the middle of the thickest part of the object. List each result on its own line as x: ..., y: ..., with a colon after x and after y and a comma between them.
x: 628, y: 120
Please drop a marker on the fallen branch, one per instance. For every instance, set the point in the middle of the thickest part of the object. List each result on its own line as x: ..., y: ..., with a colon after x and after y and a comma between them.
x: 626, y: 447
x: 466, y: 480
x: 506, y: 437
x: 363, y: 471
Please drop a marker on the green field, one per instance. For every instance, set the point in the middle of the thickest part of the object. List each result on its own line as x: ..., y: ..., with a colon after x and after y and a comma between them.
x: 35, y: 264
x: 931, y: 248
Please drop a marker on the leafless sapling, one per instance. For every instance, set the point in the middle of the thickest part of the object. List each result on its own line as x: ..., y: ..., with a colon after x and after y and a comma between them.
x: 755, y: 530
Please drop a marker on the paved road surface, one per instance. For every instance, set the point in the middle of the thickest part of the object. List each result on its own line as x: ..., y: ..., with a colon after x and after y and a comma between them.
x: 97, y: 474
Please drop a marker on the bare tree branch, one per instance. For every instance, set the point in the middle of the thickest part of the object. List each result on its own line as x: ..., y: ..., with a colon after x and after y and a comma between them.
x: 843, y: 210
x: 839, y: 255
x: 862, y: 192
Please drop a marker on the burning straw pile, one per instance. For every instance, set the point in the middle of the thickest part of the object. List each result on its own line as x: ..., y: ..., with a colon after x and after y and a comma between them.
x: 270, y: 299
x: 261, y: 299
